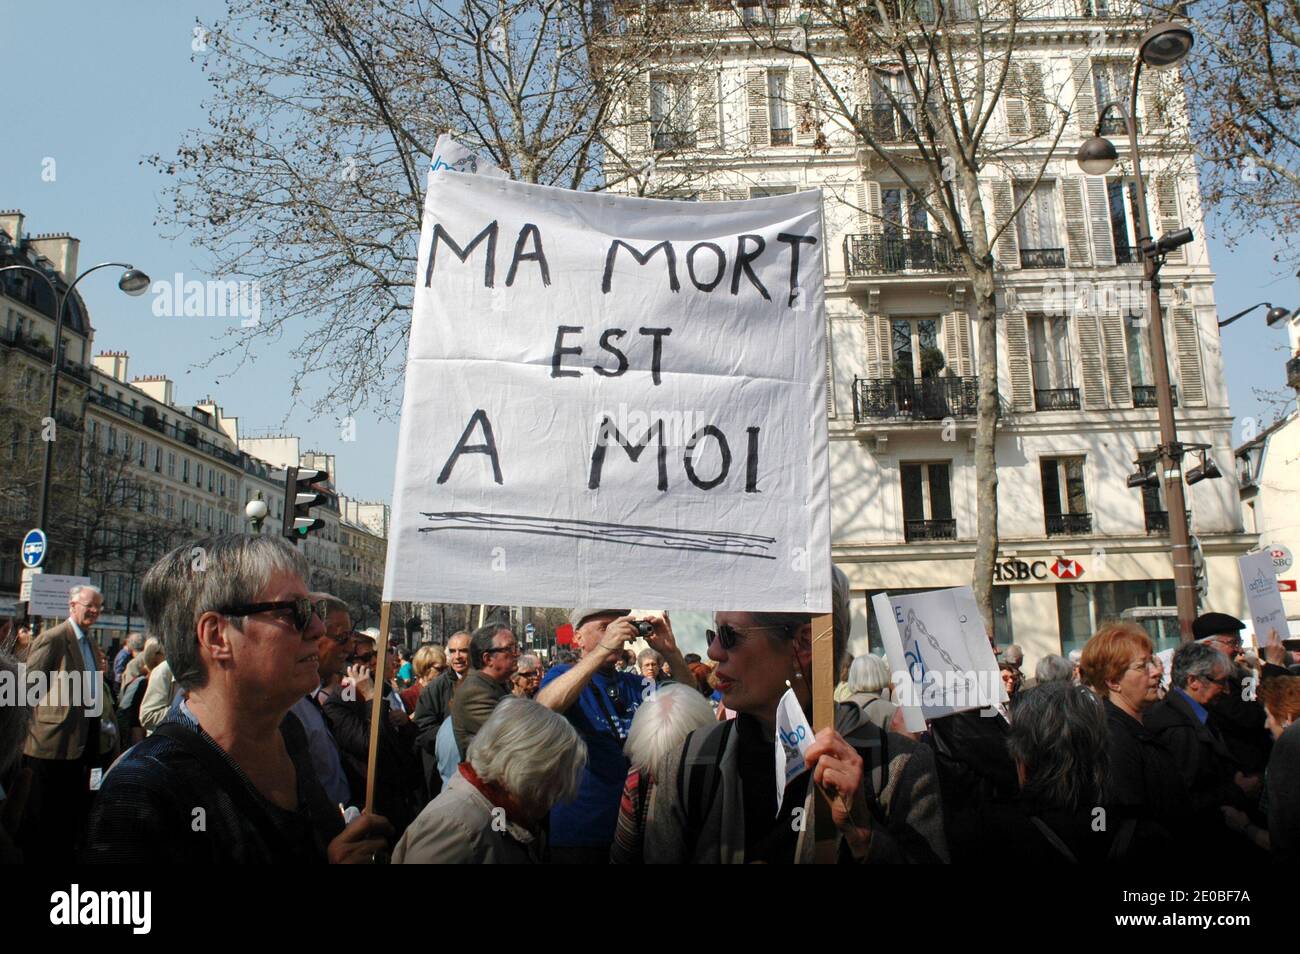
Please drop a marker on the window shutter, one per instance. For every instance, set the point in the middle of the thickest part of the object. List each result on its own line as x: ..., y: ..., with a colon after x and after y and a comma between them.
x: 1112, y: 333
x: 1008, y: 247
x: 1153, y: 94
x: 1085, y: 100
x: 735, y: 194
x: 870, y: 326
x: 884, y: 335
x: 806, y: 117
x: 830, y: 373
x: 1076, y: 220
x: 1022, y: 378
x: 1013, y: 102
x: 1189, y: 356
x: 1168, y: 216
x: 706, y: 105
x: 1035, y: 98
x: 756, y: 100
x: 711, y: 195
x: 637, y: 117
x: 1103, y: 245
x: 869, y: 208
x: 1091, y: 367
x: 956, y: 343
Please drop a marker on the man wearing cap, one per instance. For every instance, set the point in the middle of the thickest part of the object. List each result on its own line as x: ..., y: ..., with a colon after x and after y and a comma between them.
x: 599, y: 701
x: 1240, y: 722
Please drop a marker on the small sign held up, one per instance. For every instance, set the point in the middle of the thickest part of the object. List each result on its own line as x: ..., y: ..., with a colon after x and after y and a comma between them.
x: 50, y: 594
x: 1259, y: 581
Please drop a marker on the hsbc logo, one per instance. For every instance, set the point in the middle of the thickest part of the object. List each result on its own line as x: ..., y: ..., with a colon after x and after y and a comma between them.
x: 1036, y: 571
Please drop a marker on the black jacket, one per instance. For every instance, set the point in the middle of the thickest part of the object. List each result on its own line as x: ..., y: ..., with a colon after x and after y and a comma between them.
x: 431, y: 709
x: 975, y: 770
x: 1203, y: 760
x: 1142, y: 781
x: 1241, y: 724
x: 397, y: 782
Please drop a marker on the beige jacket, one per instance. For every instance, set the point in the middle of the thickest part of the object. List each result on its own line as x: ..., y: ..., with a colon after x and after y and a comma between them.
x: 61, y: 723
x: 461, y: 827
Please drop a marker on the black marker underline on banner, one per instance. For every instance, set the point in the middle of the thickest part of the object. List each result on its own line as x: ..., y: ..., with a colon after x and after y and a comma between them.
x: 666, y: 538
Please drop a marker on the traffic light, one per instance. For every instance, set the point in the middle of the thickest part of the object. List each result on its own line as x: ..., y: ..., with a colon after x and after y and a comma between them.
x: 299, y: 497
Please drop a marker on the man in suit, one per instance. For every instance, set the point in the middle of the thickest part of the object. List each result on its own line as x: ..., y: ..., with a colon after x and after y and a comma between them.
x: 1182, y: 723
x: 63, y: 740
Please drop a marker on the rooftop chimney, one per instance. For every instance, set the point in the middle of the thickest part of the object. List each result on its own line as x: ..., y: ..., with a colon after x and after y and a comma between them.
x: 61, y: 249
x: 112, y: 363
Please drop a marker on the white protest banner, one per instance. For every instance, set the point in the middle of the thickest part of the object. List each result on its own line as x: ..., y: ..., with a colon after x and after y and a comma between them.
x: 50, y: 594
x: 1262, y: 597
x: 793, y: 736
x: 449, y: 154
x: 613, y: 401
x: 938, y: 653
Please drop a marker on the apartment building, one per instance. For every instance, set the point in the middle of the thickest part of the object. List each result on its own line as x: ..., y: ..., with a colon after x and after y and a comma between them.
x: 729, y: 118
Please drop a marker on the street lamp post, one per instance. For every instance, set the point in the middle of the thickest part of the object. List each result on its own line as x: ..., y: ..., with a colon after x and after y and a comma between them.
x: 1162, y: 47
x: 256, y: 511
x: 133, y: 282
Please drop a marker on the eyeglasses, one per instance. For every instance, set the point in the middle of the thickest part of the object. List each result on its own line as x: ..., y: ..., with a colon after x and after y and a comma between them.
x: 301, y: 610
x: 730, y: 636
x: 1223, y: 682
x: 361, y: 657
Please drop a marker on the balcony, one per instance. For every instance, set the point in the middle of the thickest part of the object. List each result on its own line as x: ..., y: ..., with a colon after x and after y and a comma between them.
x: 1068, y: 524
x: 1042, y: 258
x: 1144, y: 395
x: 896, y: 254
x: 915, y: 399
x: 917, y: 530
x: 1056, y: 399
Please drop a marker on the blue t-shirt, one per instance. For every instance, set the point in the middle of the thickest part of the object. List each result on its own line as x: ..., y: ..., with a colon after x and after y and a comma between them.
x: 602, y: 715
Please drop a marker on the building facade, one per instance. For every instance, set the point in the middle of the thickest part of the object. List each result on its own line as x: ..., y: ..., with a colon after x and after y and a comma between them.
x: 1268, y: 470
x: 730, y: 118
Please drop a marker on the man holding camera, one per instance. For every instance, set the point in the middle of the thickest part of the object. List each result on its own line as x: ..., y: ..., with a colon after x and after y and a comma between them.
x: 600, y: 701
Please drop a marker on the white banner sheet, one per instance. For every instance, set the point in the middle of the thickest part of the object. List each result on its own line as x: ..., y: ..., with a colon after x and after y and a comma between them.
x: 613, y: 401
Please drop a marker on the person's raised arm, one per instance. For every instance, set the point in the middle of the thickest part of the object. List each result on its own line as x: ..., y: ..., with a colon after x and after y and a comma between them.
x: 664, y: 642
x: 560, y: 694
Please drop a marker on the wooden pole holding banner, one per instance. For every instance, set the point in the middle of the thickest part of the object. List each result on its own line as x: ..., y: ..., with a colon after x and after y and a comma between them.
x: 376, y: 707
x: 823, y: 715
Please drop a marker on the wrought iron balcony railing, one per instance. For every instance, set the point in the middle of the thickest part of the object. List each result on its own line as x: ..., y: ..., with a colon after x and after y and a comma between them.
x: 1144, y: 395
x: 892, y: 254
x: 782, y: 137
x: 914, y: 530
x: 1056, y: 399
x: 1042, y: 258
x: 916, y: 399
x: 1067, y: 524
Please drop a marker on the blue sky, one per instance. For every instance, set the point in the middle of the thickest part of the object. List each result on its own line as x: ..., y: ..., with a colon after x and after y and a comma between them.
x: 124, y: 87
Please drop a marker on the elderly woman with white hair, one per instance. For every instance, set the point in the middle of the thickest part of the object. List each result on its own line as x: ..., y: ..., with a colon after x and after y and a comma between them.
x: 523, y: 761
x: 661, y: 724
x: 868, y: 684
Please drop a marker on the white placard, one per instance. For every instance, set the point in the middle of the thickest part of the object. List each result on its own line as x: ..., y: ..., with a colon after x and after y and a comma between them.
x: 793, y: 736
x: 613, y: 401
x: 50, y: 594
x: 939, y: 654
x: 1259, y: 582
x: 449, y: 154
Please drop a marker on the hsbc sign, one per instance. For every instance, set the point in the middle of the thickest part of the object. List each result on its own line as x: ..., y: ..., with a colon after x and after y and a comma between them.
x: 1060, y: 569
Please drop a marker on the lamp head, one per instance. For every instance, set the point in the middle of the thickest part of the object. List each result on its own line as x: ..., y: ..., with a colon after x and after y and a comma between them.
x: 256, y: 510
x: 133, y: 282
x: 1097, y: 156
x: 1276, y: 315
x: 1165, y: 45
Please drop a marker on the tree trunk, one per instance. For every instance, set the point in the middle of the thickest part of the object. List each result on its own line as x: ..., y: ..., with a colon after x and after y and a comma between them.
x: 986, y: 432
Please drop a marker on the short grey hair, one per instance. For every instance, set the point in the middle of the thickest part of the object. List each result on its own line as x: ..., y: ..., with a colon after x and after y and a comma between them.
x: 531, y: 752
x: 645, y: 654
x: 530, y: 660
x: 869, y: 673
x: 663, y: 721
x: 1059, y: 735
x: 1198, y: 659
x: 84, y: 588
x: 135, y: 642
x: 153, y: 652
x: 1053, y: 668
x: 204, y: 576
x: 14, y: 717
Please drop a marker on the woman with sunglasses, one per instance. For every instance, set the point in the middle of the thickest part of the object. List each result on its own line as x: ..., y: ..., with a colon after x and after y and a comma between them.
x: 227, y: 777
x: 716, y: 797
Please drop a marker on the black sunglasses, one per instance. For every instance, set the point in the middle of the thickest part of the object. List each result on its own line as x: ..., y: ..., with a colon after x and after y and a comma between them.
x: 301, y: 610
x: 730, y: 636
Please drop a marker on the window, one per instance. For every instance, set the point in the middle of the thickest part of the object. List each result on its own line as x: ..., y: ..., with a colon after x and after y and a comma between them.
x: 185, y: 470
x: 94, y: 433
x: 914, y: 348
x: 1110, y: 79
x: 1140, y: 369
x: 778, y: 107
x: 112, y: 439
x: 1122, y: 232
x: 171, y: 464
x: 1082, y: 607
x: 927, y: 502
x: 1065, y: 504
x: 672, y: 111
x: 157, y: 460
x: 144, y: 452
x: 223, y: 485
x: 185, y: 510
x: 211, y: 480
x: 763, y: 192
x: 171, y: 507
x: 1049, y: 347
x: 1036, y: 228
x: 198, y: 475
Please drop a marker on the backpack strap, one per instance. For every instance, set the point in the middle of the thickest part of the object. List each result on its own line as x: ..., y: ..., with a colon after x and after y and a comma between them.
x: 1054, y: 840
x: 699, y: 776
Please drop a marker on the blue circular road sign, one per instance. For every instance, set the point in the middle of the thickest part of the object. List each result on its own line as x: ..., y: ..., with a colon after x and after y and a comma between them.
x: 34, y: 547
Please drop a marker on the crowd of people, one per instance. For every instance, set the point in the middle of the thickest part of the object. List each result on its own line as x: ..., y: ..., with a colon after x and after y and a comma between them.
x: 241, y: 730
